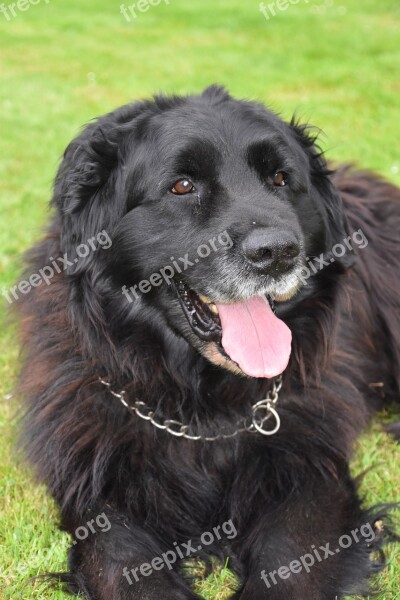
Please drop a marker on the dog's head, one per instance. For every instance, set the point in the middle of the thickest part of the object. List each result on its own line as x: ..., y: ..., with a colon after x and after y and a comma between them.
x: 215, y: 208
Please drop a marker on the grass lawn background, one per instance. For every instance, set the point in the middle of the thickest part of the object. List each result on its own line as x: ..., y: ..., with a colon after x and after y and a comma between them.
x: 336, y: 63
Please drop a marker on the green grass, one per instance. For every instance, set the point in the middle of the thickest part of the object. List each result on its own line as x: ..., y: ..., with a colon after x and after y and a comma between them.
x: 65, y: 62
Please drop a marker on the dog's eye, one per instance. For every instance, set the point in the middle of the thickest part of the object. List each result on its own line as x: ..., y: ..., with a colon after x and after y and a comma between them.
x: 183, y: 186
x: 280, y: 179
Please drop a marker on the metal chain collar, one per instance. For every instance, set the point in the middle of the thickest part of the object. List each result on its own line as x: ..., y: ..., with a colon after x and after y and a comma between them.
x: 262, y: 411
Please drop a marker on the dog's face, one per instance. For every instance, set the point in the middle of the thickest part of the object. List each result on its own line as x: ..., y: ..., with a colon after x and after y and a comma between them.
x: 214, y: 206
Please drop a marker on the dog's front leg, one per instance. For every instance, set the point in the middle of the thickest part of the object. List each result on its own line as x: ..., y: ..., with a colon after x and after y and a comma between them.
x: 113, y: 558
x: 316, y: 544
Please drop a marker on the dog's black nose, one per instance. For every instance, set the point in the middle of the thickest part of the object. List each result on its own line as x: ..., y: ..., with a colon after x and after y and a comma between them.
x: 270, y: 249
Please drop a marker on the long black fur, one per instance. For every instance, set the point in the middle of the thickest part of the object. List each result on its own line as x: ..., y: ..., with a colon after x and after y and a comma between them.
x: 283, y: 493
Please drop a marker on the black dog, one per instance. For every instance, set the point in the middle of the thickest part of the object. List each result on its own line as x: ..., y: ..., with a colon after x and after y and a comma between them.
x: 227, y: 264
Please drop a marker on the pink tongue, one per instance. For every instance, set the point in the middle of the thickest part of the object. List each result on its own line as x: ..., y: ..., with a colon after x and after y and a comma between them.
x: 255, y: 338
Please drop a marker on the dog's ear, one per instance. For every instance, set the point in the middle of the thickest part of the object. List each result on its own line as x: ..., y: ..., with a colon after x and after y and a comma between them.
x: 84, y: 190
x: 325, y: 192
x: 89, y: 184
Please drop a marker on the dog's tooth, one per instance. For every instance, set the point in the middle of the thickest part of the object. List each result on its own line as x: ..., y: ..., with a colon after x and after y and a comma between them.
x: 204, y: 299
x: 213, y: 308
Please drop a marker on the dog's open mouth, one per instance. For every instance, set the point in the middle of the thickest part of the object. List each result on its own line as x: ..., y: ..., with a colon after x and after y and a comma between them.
x: 246, y: 332
x: 201, y: 313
